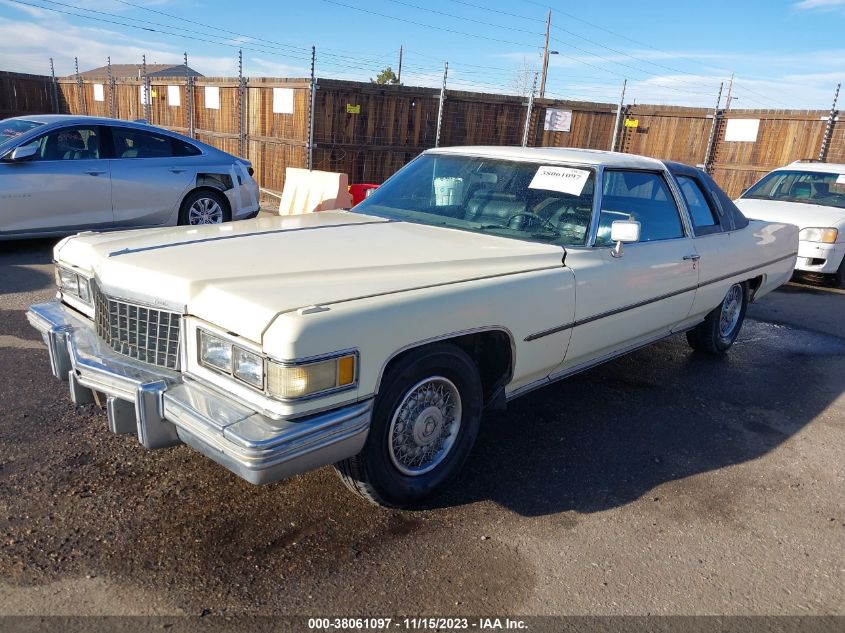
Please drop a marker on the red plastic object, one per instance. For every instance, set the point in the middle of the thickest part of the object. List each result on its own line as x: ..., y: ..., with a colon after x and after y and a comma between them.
x: 359, y: 192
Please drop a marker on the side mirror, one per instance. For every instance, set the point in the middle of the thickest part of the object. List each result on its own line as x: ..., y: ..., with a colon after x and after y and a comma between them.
x: 24, y: 152
x: 623, y: 232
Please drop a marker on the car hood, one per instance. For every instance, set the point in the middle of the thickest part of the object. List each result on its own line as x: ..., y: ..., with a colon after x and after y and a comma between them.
x: 240, y: 275
x: 800, y: 214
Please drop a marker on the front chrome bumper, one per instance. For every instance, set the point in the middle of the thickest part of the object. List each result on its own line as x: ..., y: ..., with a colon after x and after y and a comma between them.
x: 165, y: 407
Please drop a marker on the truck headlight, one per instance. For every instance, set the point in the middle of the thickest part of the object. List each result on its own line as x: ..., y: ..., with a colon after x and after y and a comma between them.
x: 313, y: 378
x: 73, y: 284
x: 825, y: 236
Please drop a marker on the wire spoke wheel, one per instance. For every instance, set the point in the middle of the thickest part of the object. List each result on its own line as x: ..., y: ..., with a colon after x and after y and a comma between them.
x: 425, y: 426
x: 731, y: 308
x: 205, y: 211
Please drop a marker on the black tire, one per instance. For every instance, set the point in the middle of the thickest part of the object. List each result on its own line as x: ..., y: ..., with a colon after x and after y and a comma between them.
x: 373, y: 474
x: 839, y: 275
x: 708, y: 336
x: 208, y: 194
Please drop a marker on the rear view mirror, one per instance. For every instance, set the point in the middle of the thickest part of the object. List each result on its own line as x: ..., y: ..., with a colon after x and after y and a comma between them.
x: 623, y: 232
x: 24, y: 152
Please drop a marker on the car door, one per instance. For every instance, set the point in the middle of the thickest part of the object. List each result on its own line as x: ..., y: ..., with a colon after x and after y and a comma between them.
x: 628, y: 300
x: 64, y: 187
x: 149, y: 179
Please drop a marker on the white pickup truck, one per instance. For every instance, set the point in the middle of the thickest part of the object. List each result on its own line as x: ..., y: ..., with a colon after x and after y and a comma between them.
x: 374, y: 339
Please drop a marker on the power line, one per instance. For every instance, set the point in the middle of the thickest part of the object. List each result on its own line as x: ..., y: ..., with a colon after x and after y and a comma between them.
x: 464, y: 19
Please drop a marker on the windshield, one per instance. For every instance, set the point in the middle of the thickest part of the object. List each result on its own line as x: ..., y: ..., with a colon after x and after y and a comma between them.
x: 528, y: 201
x: 801, y: 186
x: 12, y: 128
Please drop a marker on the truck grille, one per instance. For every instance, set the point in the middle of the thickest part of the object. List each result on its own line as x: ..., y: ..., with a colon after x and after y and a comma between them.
x: 145, y: 334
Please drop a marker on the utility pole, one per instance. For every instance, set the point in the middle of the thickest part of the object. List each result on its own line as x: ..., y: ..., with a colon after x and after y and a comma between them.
x: 399, y: 76
x: 828, y: 131
x: 710, y: 153
x: 546, y: 56
x: 528, y: 112
x: 440, y: 108
x: 729, y: 98
x: 618, y: 117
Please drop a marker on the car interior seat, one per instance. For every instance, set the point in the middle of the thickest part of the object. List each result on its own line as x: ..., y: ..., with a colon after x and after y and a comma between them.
x: 493, y: 207
x: 801, y: 190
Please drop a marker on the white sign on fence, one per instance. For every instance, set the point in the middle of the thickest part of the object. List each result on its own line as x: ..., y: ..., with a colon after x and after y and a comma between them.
x: 282, y: 100
x: 742, y: 130
x: 212, y: 97
x: 143, y: 94
x: 558, y: 120
x: 99, y: 93
x: 174, y: 97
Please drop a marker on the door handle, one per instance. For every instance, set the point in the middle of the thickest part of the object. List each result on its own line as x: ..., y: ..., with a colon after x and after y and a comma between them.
x: 95, y: 172
x: 175, y: 170
x: 694, y: 258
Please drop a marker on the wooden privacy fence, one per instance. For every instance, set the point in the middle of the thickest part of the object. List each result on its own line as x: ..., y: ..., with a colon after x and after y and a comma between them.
x: 369, y: 131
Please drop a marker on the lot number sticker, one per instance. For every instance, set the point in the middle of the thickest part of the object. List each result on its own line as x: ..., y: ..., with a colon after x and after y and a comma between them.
x: 563, y: 179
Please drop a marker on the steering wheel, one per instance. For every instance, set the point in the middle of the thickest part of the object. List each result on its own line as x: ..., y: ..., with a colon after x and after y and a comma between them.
x: 532, y: 219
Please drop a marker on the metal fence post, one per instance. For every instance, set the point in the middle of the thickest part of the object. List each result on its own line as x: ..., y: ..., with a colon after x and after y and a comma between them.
x: 54, y: 87
x: 440, y: 107
x: 828, y: 131
x: 189, y: 99
x: 80, y: 96
x: 311, y: 109
x: 615, y: 133
x: 146, y: 89
x: 241, y: 105
x: 111, y: 90
x: 528, y: 112
x: 710, y: 153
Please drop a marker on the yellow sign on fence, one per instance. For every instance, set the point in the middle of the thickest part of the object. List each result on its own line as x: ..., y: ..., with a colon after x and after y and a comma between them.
x: 353, y: 109
x: 632, y: 123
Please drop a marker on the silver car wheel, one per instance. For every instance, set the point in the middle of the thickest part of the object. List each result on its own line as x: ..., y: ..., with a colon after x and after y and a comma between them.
x: 731, y: 309
x: 425, y: 426
x: 205, y: 211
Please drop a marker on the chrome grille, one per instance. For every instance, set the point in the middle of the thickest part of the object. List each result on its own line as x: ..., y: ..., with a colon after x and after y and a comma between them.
x: 145, y: 334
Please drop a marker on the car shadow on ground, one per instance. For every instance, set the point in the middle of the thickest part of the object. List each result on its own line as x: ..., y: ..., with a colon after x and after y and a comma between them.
x: 610, y: 435
x: 16, y: 261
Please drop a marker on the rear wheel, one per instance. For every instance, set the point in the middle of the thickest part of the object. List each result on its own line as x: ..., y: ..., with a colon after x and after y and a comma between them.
x: 204, y: 206
x: 425, y: 421
x: 717, y: 333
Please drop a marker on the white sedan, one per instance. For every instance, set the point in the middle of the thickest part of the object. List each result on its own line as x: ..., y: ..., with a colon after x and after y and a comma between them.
x: 810, y: 195
x: 375, y: 339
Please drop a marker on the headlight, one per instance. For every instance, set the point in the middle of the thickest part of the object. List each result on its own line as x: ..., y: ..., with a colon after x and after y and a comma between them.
x: 825, y: 236
x: 308, y: 379
x: 224, y: 356
x: 73, y: 284
x: 248, y: 367
x: 215, y: 352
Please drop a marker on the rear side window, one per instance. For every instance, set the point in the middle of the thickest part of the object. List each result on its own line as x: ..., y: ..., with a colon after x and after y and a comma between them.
x: 704, y: 218
x: 641, y: 196
x: 131, y: 143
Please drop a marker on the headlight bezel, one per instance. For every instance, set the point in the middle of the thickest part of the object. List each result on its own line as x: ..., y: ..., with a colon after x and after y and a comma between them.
x: 76, y: 291
x: 268, y: 365
x: 817, y: 234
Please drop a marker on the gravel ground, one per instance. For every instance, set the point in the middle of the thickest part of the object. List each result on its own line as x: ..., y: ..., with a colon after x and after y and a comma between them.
x: 661, y: 483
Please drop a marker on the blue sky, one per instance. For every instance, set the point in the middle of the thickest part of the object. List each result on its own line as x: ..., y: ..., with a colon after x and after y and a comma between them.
x: 783, y: 53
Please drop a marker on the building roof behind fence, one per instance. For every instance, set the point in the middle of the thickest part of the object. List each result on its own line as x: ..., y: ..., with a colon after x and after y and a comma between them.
x: 137, y: 70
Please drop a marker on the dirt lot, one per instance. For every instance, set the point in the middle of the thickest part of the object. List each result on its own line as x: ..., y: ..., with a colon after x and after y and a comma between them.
x: 661, y: 483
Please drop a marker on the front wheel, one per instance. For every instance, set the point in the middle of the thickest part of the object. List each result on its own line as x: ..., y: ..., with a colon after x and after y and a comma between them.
x: 425, y: 422
x: 717, y: 333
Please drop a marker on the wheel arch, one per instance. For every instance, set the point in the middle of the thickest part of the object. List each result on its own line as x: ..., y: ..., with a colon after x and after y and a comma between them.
x: 204, y: 186
x: 491, y: 348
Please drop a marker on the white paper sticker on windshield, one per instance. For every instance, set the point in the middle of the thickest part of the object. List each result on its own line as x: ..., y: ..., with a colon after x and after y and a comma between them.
x: 840, y: 179
x: 563, y: 179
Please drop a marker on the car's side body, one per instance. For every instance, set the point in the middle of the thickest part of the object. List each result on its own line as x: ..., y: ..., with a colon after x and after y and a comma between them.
x: 819, y: 251
x: 124, y: 180
x: 317, y: 286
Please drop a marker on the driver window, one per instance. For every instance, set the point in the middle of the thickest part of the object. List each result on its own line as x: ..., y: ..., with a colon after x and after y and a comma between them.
x: 70, y: 143
x: 641, y: 196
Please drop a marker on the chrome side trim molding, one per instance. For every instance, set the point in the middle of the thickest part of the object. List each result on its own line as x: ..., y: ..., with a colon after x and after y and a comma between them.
x: 640, y: 304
